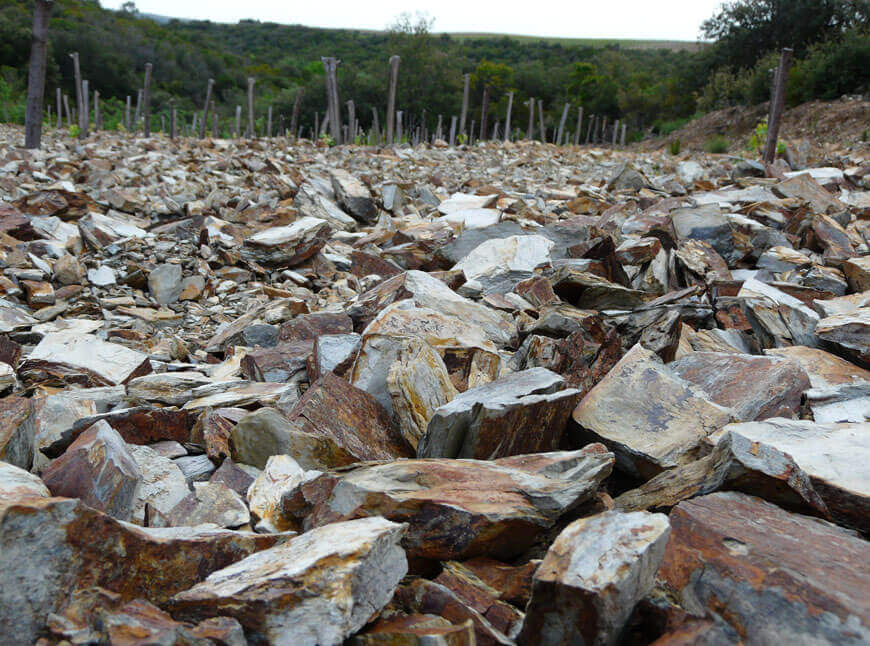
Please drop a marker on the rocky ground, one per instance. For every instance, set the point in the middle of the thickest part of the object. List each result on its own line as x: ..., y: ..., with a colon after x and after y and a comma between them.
x: 509, y: 394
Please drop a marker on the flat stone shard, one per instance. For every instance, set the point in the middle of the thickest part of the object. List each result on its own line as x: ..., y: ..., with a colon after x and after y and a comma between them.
x: 457, y: 509
x: 290, y: 245
x: 84, y: 359
x: 162, y: 485
x: 523, y: 412
x: 777, y: 319
x: 17, y: 431
x: 649, y: 417
x: 835, y: 457
x: 64, y: 545
x: 171, y: 388
x: 353, y: 196
x: 752, y: 387
x: 592, y: 577
x: 210, y: 503
x: 17, y: 484
x: 281, y: 473
x: 770, y: 574
x: 848, y: 335
x: 99, y: 469
x: 318, y: 588
x: 416, y: 630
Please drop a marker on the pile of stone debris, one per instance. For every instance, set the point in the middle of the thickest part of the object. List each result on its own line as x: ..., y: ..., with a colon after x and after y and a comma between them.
x: 508, y: 394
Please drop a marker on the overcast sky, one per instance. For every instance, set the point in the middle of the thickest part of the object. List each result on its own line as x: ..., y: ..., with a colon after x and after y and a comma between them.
x: 648, y: 19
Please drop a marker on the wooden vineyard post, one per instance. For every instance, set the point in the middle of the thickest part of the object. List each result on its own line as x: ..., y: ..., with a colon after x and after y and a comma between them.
x: 59, y: 109
x: 215, y: 132
x: 351, y: 121
x: 297, y: 104
x: 127, y: 114
x: 173, y: 125
x: 204, y: 124
x: 67, y: 110
x: 562, y: 124
x: 251, y: 133
x: 146, y: 100
x: 399, y: 125
x: 453, y: 121
x: 330, y: 64
x: 615, y: 133
x: 777, y: 104
x: 464, y: 114
x: 138, y: 114
x: 269, y: 123
x: 238, y: 132
x: 391, y: 98
x: 579, y: 132
x: 541, y: 120
x: 592, y: 119
x: 507, y: 121
x: 85, y: 117
x: 484, y: 112
x: 622, y: 139
x: 376, y: 126
x: 98, y: 118
x: 530, y: 133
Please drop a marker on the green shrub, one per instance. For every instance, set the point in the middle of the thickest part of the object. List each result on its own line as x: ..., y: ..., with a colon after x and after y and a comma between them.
x: 716, y: 145
x: 675, y: 147
x: 865, y: 136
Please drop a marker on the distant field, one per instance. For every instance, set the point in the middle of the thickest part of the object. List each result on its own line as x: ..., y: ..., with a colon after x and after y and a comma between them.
x: 676, y: 45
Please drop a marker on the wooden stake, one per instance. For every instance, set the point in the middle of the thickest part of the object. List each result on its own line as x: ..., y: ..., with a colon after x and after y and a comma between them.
x: 66, y: 109
x: 351, y: 121
x: 484, y: 112
x: 330, y: 64
x: 297, y: 104
x: 579, y: 132
x: 530, y: 133
x: 173, y: 124
x: 777, y: 105
x: 592, y: 119
x: 541, y: 120
x: 464, y: 114
x: 98, y: 119
x: 615, y: 133
x: 269, y: 123
x: 86, y: 111
x: 622, y: 139
x: 146, y: 99
x: 204, y: 124
x: 507, y: 121
x: 438, y: 134
x: 453, y: 122
x: 376, y: 128
x: 138, y: 110
x: 562, y: 124
x: 238, y: 132
x: 399, y: 125
x: 77, y: 72
x: 391, y: 97
x: 59, y: 109
x: 251, y: 133
x: 215, y: 131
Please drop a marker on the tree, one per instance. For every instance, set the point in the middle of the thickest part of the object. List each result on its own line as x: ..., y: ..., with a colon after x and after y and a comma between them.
x: 36, y: 78
x: 746, y: 30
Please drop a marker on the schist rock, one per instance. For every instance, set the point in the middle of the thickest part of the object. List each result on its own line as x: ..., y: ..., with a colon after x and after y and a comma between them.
x: 67, y: 546
x: 648, y: 416
x: 456, y: 509
x: 592, y: 576
x: 99, y: 469
x: 523, y: 412
x: 317, y: 588
x: 290, y: 245
x: 766, y: 571
x: 353, y: 196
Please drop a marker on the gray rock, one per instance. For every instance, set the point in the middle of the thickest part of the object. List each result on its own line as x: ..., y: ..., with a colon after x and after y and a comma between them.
x: 353, y: 196
x: 592, y: 577
x: 333, y: 353
x: 210, y: 503
x: 102, y: 276
x: 16, y: 483
x: 196, y: 468
x: 649, y: 417
x: 165, y: 283
x: 317, y: 589
x: 162, y: 486
x: 777, y: 318
x: 848, y: 335
x: 523, y: 412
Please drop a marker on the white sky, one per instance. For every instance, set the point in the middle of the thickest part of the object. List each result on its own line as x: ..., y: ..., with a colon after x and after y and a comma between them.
x: 646, y: 19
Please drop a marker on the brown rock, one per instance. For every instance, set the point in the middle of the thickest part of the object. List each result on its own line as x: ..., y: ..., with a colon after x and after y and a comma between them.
x: 307, y: 327
x: 416, y: 630
x: 67, y: 545
x: 752, y: 387
x: 765, y: 571
x: 457, y: 508
x: 213, y: 428
x: 284, y: 363
x: 512, y: 582
x: 99, y: 469
x: 476, y: 594
x: 857, y: 272
x: 17, y: 431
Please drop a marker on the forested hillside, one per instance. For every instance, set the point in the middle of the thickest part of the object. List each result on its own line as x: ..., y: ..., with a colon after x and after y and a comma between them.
x: 647, y: 88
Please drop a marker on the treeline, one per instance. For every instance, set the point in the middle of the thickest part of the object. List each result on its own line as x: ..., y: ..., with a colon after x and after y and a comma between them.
x: 649, y: 89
